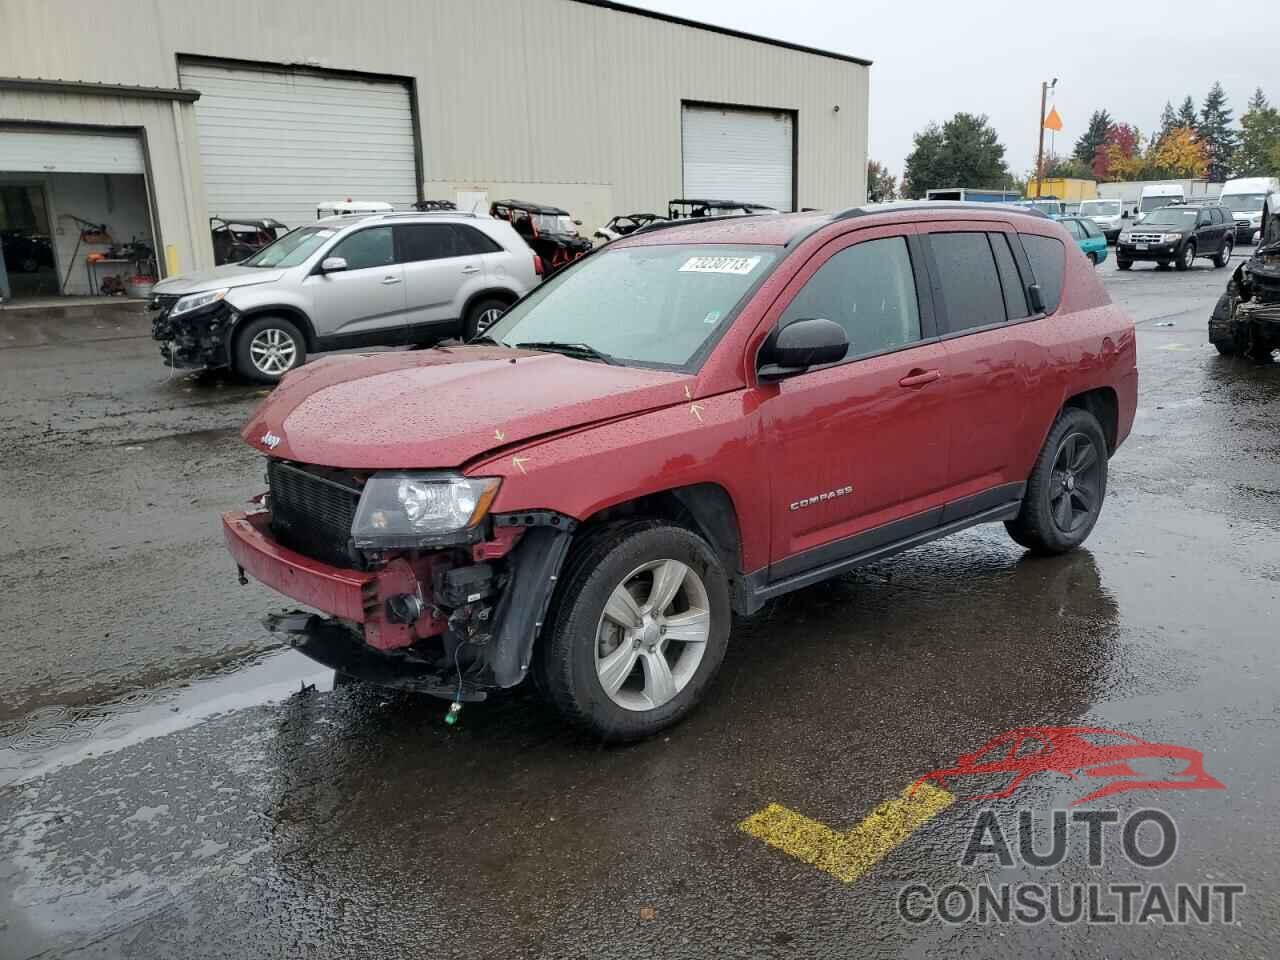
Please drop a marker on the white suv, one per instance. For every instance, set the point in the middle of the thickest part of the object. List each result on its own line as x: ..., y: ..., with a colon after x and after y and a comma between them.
x: 351, y: 281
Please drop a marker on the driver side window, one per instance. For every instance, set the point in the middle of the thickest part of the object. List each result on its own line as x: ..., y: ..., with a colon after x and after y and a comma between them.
x: 869, y: 290
x: 368, y: 248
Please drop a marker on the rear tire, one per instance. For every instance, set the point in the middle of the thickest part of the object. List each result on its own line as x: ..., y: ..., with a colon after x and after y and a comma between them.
x: 625, y: 682
x: 1124, y: 264
x: 266, y: 348
x: 482, y: 316
x: 1067, y: 487
x: 1226, y: 347
x: 1223, y: 256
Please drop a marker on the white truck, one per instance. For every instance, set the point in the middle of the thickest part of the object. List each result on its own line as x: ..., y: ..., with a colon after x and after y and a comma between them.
x: 1109, y: 215
x: 1245, y: 198
x: 1129, y: 192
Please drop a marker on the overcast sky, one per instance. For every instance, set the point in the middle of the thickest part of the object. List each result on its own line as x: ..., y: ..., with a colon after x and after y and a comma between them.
x: 934, y: 58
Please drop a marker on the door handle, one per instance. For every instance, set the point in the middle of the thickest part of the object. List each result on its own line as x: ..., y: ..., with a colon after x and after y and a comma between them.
x: 919, y: 378
x: 390, y: 280
x: 471, y: 269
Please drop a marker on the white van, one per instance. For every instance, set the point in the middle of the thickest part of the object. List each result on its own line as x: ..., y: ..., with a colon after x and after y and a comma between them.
x: 1245, y: 198
x: 1160, y: 195
x: 1109, y: 215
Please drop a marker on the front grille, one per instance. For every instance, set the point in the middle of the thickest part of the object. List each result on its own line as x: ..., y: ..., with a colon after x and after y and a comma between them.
x: 311, y: 513
x: 1146, y: 238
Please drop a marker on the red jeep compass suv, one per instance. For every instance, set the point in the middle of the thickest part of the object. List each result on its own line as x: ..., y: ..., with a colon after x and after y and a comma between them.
x: 684, y: 424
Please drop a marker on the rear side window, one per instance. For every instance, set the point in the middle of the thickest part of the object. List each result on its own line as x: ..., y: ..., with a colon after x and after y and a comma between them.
x: 1090, y: 228
x: 473, y: 241
x: 971, y: 290
x: 1015, y: 291
x: 1048, y: 260
x: 869, y: 290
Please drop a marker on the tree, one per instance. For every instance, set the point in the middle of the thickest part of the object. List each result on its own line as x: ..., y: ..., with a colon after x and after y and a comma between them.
x: 881, y: 184
x: 1216, y: 134
x: 1179, y: 154
x: 1093, y: 137
x: 1168, y: 120
x: 1187, y: 116
x: 1120, y: 156
x: 1259, y: 152
x: 964, y: 152
x: 1056, y: 166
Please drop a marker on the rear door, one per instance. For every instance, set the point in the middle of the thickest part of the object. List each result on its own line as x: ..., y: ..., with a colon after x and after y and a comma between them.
x: 440, y: 267
x: 979, y: 290
x: 860, y: 444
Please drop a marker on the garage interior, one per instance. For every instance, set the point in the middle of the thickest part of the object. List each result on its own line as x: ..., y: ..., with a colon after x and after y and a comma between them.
x: 75, y: 216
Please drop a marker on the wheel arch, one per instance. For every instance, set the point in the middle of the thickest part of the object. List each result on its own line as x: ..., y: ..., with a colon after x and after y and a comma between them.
x: 1104, y: 404
x: 505, y: 294
x: 705, y: 508
x: 287, y: 311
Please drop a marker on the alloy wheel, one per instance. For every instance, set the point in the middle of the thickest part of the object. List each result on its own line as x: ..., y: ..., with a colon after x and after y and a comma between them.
x: 487, y: 319
x: 1188, y: 256
x: 273, y: 351
x: 1075, y: 489
x: 652, y: 635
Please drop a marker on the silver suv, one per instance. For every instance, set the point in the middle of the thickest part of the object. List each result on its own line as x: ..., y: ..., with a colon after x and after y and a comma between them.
x: 350, y: 281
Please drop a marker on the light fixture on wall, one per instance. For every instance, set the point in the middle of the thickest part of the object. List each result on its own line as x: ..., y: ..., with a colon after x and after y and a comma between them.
x: 836, y: 108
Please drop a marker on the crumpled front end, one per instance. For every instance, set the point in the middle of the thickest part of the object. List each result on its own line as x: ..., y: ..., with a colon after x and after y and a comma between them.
x: 454, y: 618
x: 1246, y: 319
x: 195, y: 340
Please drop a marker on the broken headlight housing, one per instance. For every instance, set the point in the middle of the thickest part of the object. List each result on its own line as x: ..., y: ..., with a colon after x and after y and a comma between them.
x: 409, y: 510
x: 197, y: 301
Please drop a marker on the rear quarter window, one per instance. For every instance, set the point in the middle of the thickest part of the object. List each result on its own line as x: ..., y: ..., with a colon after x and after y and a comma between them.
x: 1048, y: 262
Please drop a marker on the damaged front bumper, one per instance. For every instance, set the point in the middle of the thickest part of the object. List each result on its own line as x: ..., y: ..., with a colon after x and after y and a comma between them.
x: 200, y: 339
x: 421, y: 620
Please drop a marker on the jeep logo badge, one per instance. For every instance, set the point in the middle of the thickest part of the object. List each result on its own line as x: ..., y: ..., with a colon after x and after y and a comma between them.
x: 270, y: 440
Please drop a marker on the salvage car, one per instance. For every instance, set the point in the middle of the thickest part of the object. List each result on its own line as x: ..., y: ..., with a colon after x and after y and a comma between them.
x: 236, y: 240
x: 1088, y: 237
x: 550, y: 231
x: 625, y: 225
x: 690, y: 209
x: 1246, y: 319
x: 351, y: 281
x: 1178, y: 233
x: 680, y: 427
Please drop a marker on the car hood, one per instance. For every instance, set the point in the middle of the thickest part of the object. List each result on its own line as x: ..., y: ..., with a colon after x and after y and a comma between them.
x: 444, y: 407
x: 230, y: 275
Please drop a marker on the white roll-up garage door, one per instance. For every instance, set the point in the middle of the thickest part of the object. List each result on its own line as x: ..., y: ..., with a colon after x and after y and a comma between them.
x: 738, y: 154
x: 47, y: 151
x: 277, y: 143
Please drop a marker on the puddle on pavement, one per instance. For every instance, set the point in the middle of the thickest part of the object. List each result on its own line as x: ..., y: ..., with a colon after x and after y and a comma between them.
x: 53, y: 737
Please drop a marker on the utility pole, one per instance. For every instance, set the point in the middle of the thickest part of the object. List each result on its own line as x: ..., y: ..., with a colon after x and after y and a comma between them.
x: 1044, y: 97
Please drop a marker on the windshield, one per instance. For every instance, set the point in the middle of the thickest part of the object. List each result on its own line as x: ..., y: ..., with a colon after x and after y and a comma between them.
x: 291, y: 249
x: 1155, y: 203
x: 1172, y: 217
x: 1100, y: 208
x: 1244, y: 202
x: 553, y: 223
x: 650, y: 304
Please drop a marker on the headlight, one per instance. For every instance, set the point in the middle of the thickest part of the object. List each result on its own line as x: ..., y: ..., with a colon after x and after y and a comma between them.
x: 411, y: 510
x: 1125, y: 238
x: 194, y: 301
x: 1172, y: 237
x: 1255, y: 219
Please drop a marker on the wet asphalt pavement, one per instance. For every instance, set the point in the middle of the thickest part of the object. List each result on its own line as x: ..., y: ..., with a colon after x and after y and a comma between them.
x: 166, y: 789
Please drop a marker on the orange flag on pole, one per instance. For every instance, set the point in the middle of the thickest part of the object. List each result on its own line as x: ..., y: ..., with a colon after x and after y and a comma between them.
x: 1053, y: 121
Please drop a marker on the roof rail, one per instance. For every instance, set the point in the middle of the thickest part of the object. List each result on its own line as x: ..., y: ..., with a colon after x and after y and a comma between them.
x: 870, y: 210
x: 427, y: 213
x: 687, y: 221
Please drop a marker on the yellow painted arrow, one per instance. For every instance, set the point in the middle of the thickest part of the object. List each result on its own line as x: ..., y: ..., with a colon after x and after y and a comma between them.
x: 847, y: 856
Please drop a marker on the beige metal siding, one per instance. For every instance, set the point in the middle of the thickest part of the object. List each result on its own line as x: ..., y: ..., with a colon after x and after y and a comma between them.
x: 579, y: 101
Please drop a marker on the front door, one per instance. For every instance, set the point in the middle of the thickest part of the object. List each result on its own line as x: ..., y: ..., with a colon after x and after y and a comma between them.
x: 860, y: 444
x: 363, y: 304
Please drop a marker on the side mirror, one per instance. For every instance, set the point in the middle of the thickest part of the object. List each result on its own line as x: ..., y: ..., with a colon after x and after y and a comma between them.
x: 1037, y: 298
x: 800, y: 345
x: 333, y: 265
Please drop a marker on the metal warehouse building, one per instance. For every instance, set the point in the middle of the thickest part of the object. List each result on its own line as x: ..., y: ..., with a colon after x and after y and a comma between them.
x: 148, y: 120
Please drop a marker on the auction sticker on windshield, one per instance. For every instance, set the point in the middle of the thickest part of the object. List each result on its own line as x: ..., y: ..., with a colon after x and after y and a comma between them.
x: 737, y: 265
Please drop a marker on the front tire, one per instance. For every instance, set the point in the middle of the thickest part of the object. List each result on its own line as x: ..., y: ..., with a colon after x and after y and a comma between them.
x: 1124, y: 264
x: 1093, y: 257
x: 267, y: 348
x: 1068, y: 484
x: 638, y: 630
x: 1186, y: 258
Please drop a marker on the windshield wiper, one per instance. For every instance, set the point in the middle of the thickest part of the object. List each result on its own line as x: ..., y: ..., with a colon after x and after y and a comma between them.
x: 581, y: 351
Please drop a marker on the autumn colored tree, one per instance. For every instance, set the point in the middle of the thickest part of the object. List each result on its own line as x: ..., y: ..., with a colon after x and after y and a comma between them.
x: 1094, y: 136
x: 1178, y: 154
x: 1120, y: 156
